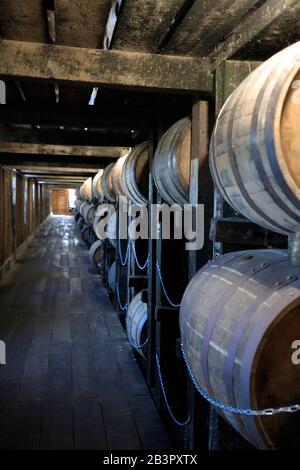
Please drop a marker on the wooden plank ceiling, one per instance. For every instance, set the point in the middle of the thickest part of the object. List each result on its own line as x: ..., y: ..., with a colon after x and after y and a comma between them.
x: 216, y: 30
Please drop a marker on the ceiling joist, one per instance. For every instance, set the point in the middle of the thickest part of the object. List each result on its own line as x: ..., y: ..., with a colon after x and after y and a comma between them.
x: 117, y: 69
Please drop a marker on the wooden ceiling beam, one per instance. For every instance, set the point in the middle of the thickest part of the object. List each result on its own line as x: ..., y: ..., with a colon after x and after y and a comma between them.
x: 34, y: 135
x: 249, y: 28
x: 16, y: 161
x: 111, y: 117
x: 63, y: 150
x: 114, y: 69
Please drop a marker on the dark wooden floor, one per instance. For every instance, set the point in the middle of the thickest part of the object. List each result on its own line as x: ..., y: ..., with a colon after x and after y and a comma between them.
x: 71, y: 381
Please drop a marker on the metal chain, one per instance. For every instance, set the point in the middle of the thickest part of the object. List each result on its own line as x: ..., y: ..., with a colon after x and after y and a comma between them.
x: 163, y: 287
x: 122, y: 307
x: 123, y: 261
x: 179, y: 423
x: 140, y: 266
x: 232, y: 409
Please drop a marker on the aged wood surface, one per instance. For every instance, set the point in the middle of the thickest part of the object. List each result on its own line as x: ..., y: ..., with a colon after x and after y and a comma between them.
x: 121, y: 69
x: 71, y: 381
x: 48, y: 149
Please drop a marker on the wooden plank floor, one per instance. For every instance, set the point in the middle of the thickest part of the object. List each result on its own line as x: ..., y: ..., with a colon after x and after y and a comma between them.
x: 71, y: 381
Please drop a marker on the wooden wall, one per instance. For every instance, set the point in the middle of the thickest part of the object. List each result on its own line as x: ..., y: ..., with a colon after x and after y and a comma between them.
x: 24, y: 204
x: 60, y: 201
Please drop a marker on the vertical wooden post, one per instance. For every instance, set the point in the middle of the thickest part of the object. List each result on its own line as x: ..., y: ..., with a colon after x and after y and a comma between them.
x: 201, y: 192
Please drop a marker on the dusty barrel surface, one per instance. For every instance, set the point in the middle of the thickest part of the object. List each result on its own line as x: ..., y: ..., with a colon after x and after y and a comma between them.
x: 111, y: 276
x: 116, y: 176
x: 88, y: 211
x: 137, y: 323
x: 95, y: 253
x: 135, y: 174
x: 97, y: 186
x: 254, y: 152
x: 238, y: 320
x: 171, y: 164
x: 107, y: 183
x: 87, y: 189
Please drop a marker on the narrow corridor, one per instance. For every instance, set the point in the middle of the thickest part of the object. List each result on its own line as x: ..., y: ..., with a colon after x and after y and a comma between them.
x: 71, y: 381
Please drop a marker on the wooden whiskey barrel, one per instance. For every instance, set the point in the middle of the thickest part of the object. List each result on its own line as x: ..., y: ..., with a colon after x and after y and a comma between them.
x: 97, y: 186
x: 86, y: 234
x: 171, y: 164
x: 87, y: 211
x: 95, y: 253
x: 135, y: 174
x: 137, y: 324
x: 87, y: 189
x: 111, y: 276
x: 107, y: 183
x: 254, y: 153
x: 116, y: 176
x: 238, y: 320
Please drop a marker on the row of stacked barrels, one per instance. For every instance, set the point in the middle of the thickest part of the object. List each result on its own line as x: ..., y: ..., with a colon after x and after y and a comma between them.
x: 239, y: 315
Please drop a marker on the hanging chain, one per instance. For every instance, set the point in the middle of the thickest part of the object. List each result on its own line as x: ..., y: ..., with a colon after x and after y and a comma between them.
x: 123, y: 261
x: 164, y: 288
x: 179, y: 423
x: 232, y: 409
x: 139, y: 265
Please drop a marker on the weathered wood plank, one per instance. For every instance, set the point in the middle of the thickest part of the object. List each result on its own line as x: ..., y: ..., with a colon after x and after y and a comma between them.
x: 118, y: 69
x: 131, y: 33
x: 249, y: 28
x: 206, y: 24
x: 52, y: 149
x: 81, y: 23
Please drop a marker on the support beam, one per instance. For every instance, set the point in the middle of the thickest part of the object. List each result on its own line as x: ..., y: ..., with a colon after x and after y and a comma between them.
x: 249, y: 28
x: 69, y: 150
x: 17, y: 161
x: 40, y: 170
x: 107, y: 117
x: 115, y: 69
x: 73, y: 136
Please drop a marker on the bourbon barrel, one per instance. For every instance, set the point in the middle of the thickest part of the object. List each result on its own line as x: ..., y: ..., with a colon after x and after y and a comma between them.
x: 87, y: 211
x: 254, y: 152
x: 111, y: 276
x: 95, y: 253
x: 116, y: 176
x: 107, y: 183
x: 87, y: 189
x: 171, y: 164
x: 97, y: 186
x: 238, y: 320
x: 135, y: 174
x: 137, y: 324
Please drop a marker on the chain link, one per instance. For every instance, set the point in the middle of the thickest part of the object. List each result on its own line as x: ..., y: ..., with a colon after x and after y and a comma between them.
x: 176, y: 421
x: 231, y: 409
x: 140, y: 266
x: 164, y: 288
x: 123, y: 261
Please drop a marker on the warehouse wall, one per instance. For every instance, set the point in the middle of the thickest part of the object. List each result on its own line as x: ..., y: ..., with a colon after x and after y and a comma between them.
x: 24, y: 204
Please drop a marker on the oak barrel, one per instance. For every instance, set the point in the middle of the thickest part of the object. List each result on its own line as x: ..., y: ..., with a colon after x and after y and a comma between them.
x: 254, y: 152
x: 135, y: 174
x: 97, y: 186
x: 107, y: 183
x: 87, y: 189
x: 87, y: 211
x: 238, y: 320
x: 136, y: 324
x: 111, y: 276
x: 95, y: 253
x: 116, y: 176
x: 171, y: 163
